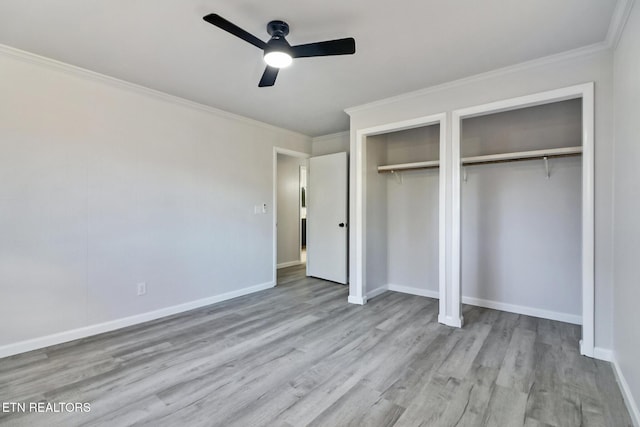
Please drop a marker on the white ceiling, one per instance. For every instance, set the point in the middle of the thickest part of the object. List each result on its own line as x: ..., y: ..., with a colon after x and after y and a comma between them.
x: 402, y: 45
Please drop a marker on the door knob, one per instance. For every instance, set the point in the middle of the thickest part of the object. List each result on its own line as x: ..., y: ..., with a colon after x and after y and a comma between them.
x: 342, y: 224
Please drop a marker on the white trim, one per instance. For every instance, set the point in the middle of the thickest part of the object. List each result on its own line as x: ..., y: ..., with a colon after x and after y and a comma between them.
x: 588, y: 220
x: 539, y: 62
x: 358, y: 180
x: 632, y: 405
x: 413, y: 291
x: 521, y: 309
x: 603, y: 354
x: 495, y: 305
x: 618, y: 21
x: 455, y: 244
x: 586, y: 92
x: 378, y: 291
x: 330, y: 136
x: 112, y: 325
x: 451, y: 321
x: 289, y: 264
x: 274, y: 204
x: 357, y: 219
x: 142, y: 90
x: 539, y: 98
x: 357, y: 300
x: 445, y: 165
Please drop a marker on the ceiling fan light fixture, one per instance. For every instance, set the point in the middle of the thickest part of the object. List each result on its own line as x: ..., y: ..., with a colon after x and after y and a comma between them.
x: 277, y: 59
x: 278, y: 53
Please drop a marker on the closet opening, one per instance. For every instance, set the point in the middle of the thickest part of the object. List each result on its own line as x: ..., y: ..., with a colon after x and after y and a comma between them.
x: 521, y: 210
x: 402, y: 210
x: 523, y: 207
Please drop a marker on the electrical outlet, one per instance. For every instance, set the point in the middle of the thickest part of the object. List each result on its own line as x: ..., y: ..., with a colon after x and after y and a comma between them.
x: 142, y: 288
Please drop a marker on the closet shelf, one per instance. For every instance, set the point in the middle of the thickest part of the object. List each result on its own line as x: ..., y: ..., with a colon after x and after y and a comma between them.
x: 491, y: 158
x: 523, y: 155
x: 408, y: 166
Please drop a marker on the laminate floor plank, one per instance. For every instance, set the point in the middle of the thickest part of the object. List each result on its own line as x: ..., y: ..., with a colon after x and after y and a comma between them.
x: 299, y: 354
x: 420, y: 372
x: 360, y: 406
x: 507, y: 408
x: 486, y: 366
x: 520, y: 361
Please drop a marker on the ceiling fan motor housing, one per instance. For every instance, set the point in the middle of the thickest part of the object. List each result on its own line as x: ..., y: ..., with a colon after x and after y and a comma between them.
x: 278, y: 28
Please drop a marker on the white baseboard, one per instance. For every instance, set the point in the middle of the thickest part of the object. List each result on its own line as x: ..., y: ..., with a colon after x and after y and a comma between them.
x: 289, y: 264
x: 632, y: 405
x: 378, y: 291
x: 413, y: 291
x: 451, y: 321
x: 520, y: 309
x: 512, y: 308
x: 357, y: 300
x: 86, y: 331
x: 603, y: 354
x: 586, y: 351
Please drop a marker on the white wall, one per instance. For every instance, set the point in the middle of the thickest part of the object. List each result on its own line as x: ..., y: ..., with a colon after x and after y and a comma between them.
x: 521, y: 232
x: 289, y: 208
x: 627, y: 208
x: 412, y: 210
x: 103, y: 185
x: 330, y: 144
x: 516, y: 81
x: 376, y: 227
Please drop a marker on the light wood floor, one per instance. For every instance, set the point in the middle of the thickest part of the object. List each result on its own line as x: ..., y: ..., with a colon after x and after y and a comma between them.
x: 300, y: 355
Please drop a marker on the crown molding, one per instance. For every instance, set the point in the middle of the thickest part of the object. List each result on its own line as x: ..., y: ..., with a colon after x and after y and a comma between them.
x: 534, y: 63
x: 33, y: 58
x: 618, y: 21
x: 330, y: 136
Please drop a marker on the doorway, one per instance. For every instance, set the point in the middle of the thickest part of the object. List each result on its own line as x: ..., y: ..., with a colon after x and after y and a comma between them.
x: 289, y: 201
x: 303, y: 213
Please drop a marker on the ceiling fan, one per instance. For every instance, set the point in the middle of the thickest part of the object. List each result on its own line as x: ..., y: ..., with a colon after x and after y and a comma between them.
x: 278, y: 53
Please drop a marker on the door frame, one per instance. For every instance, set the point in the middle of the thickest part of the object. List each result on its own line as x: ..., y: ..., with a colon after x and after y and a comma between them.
x: 358, y: 214
x: 274, y: 203
x: 586, y: 93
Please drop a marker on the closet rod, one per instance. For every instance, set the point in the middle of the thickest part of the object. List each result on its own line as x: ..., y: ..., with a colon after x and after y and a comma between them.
x: 491, y: 158
x: 518, y: 159
x: 523, y: 155
x: 409, y: 166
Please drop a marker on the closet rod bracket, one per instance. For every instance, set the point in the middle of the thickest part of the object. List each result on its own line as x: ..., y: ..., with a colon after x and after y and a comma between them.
x: 546, y: 166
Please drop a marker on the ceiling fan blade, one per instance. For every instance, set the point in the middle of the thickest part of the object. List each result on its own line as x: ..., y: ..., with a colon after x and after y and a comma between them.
x: 269, y: 77
x: 223, y: 24
x: 331, y: 47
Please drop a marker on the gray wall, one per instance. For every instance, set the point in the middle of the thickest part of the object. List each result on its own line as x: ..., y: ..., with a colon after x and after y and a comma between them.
x: 524, y: 80
x: 289, y: 208
x: 627, y: 204
x: 103, y: 186
x: 330, y: 144
x: 412, y: 210
x: 521, y: 232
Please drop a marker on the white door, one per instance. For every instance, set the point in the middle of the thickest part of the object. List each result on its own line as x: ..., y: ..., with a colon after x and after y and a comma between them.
x: 327, y: 218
